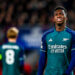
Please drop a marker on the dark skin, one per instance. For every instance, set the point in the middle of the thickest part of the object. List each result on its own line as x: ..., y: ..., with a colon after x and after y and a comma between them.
x: 60, y: 19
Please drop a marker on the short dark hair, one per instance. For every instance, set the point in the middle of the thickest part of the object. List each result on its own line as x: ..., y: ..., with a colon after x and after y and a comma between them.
x: 60, y: 7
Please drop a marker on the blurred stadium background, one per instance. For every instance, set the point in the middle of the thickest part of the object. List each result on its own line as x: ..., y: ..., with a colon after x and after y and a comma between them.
x: 32, y: 18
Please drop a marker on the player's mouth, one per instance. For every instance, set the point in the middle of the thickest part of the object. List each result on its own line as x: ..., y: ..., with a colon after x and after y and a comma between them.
x: 59, y: 19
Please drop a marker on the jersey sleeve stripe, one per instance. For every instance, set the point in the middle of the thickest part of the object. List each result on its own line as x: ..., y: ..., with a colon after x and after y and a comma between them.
x: 43, y: 50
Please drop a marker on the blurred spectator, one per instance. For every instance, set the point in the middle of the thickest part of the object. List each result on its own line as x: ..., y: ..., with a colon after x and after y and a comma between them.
x: 21, y: 19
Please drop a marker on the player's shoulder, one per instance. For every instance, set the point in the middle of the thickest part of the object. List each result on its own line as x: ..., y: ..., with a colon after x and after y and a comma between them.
x: 20, y: 46
x: 72, y: 32
x: 47, y: 32
x: 4, y: 44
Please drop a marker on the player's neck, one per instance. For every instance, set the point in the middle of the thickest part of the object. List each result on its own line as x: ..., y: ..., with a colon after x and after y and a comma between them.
x: 60, y: 28
x: 12, y: 40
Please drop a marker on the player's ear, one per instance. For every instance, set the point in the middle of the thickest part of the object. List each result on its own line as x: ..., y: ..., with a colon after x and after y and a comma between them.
x: 53, y: 19
x: 66, y: 18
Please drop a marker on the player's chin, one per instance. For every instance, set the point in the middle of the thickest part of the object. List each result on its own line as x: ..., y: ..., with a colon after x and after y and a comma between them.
x: 60, y: 23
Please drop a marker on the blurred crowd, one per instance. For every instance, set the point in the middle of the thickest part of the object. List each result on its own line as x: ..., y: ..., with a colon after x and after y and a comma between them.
x: 32, y: 15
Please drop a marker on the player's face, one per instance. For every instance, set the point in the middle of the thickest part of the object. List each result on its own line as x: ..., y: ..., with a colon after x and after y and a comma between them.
x: 59, y: 17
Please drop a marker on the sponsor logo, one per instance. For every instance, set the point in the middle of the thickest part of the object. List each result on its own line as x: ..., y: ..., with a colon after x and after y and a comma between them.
x: 57, y: 48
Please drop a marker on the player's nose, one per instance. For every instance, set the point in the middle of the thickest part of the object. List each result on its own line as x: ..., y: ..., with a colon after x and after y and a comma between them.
x: 59, y: 16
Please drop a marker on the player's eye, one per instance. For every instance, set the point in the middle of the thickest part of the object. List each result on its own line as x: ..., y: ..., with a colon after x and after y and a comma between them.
x: 56, y: 14
x: 61, y: 13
